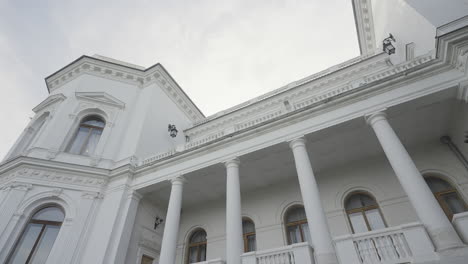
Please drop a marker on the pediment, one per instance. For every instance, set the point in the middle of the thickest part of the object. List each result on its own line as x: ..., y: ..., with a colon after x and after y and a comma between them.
x: 100, y: 97
x: 49, y: 101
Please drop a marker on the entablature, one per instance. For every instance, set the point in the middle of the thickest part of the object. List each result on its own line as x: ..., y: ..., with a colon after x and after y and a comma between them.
x: 360, y: 80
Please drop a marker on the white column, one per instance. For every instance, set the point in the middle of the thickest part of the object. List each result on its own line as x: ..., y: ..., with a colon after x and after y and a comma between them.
x: 234, y: 241
x: 317, y: 221
x: 419, y: 194
x: 171, y: 225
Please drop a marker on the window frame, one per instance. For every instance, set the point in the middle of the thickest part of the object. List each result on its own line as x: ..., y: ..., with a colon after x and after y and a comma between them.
x: 44, y: 224
x: 363, y: 210
x: 295, y: 223
x: 196, y: 245
x: 440, y: 196
x: 88, y: 136
x: 246, y: 236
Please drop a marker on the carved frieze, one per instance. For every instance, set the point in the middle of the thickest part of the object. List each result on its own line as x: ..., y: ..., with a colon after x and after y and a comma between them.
x: 52, y: 176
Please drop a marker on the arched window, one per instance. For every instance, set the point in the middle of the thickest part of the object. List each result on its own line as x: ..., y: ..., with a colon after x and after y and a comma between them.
x: 248, y: 233
x: 87, y: 136
x: 363, y: 213
x: 297, y: 228
x: 197, y: 247
x: 38, y: 237
x: 447, y: 196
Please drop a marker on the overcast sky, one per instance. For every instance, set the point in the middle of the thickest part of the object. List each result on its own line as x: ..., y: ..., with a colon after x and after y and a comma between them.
x: 222, y: 52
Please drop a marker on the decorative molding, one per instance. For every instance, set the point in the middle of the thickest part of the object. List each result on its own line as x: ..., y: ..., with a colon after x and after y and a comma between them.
x: 124, y: 73
x: 49, y: 101
x: 364, y: 25
x: 100, y: 98
x: 92, y: 195
x: 19, y: 186
x: 53, y: 176
x: 57, y: 191
x: 312, y: 93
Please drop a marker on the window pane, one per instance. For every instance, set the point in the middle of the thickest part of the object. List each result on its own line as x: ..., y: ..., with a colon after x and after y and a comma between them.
x: 198, y: 236
x: 79, y: 140
x: 251, y: 243
x: 375, y: 219
x: 26, y: 243
x: 49, y: 214
x: 306, y: 232
x: 45, y: 244
x: 146, y: 260
x: 202, y: 252
x: 359, y: 200
x: 193, y: 251
x: 296, y: 214
x: 93, y: 121
x: 366, y: 200
x: 358, y: 222
x: 248, y: 227
x: 454, y: 203
x: 437, y: 185
x: 92, y: 142
x: 294, y: 234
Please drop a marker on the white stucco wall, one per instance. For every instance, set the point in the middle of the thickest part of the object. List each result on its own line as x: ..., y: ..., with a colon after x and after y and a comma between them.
x: 405, y: 24
x: 440, y: 12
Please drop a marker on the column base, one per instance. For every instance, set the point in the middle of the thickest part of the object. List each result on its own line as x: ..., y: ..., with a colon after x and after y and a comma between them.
x: 445, y: 238
x: 326, y: 258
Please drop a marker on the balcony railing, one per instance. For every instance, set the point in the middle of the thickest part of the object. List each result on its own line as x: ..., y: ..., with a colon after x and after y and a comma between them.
x: 300, y: 253
x: 402, y: 244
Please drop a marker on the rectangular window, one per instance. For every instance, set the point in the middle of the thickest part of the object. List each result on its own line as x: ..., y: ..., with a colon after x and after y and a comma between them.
x: 146, y: 260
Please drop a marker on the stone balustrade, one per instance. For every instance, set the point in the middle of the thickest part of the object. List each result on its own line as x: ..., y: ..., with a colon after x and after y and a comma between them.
x: 300, y: 253
x: 407, y: 243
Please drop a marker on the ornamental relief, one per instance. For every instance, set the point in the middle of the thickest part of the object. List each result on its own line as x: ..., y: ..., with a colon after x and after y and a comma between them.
x: 55, y: 177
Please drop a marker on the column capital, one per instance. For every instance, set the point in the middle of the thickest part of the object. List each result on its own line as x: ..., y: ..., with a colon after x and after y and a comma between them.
x: 297, y: 142
x: 376, y: 116
x: 180, y: 180
x: 232, y: 162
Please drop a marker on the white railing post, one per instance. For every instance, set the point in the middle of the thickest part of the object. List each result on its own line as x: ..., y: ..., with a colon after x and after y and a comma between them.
x: 346, y: 250
x: 419, y: 242
x: 249, y: 258
x: 302, y: 253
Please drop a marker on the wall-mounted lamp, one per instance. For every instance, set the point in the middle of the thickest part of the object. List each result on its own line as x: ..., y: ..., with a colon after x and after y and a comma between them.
x: 172, y: 130
x: 158, y: 221
x: 388, y: 46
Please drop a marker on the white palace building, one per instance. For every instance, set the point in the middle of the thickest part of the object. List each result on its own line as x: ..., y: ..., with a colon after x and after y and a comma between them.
x: 365, y: 162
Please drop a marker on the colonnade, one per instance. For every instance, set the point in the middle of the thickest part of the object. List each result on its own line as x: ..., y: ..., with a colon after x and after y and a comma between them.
x: 419, y: 194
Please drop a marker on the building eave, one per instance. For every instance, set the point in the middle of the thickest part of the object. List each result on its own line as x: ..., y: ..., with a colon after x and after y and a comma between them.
x: 125, y: 73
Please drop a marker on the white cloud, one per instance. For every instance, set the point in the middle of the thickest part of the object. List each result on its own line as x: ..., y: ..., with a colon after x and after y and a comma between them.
x: 221, y: 52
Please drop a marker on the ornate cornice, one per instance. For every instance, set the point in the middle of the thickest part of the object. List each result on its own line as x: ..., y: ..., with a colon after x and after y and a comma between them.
x: 364, y: 25
x: 314, y: 93
x: 124, y: 73
x: 49, y: 101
